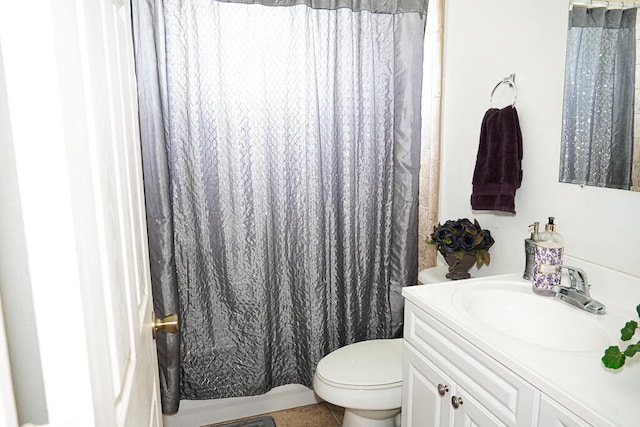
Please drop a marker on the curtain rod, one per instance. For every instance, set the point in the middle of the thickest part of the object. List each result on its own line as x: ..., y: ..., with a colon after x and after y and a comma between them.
x: 607, y: 4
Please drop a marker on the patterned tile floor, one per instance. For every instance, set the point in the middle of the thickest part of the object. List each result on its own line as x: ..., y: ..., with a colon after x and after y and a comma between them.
x: 319, y: 415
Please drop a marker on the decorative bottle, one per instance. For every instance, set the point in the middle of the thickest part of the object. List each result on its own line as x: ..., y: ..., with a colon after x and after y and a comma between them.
x: 530, y: 251
x: 548, y: 260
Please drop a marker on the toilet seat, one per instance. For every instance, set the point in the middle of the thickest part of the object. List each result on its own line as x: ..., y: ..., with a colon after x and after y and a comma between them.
x: 359, y: 386
x: 365, y: 378
x: 372, y: 364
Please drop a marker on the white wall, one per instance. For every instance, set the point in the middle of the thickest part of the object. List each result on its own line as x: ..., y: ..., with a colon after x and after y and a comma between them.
x: 486, y: 41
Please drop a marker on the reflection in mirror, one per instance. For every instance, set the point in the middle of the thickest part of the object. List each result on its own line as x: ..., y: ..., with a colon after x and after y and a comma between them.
x: 597, y: 124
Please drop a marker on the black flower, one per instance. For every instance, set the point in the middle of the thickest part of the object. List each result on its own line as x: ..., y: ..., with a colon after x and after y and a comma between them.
x: 467, y: 242
x: 462, y: 236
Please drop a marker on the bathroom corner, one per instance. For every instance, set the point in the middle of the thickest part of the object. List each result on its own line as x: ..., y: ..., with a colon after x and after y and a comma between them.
x: 528, y: 39
x: 431, y: 133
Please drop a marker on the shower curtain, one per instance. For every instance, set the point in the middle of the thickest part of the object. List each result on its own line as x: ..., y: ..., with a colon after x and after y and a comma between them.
x: 281, y: 163
x: 597, y: 131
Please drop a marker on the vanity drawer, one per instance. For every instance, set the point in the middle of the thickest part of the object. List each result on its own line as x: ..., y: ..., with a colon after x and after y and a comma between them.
x: 508, y: 397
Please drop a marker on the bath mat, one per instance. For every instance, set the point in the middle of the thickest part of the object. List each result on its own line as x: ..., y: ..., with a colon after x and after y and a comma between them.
x: 253, y: 422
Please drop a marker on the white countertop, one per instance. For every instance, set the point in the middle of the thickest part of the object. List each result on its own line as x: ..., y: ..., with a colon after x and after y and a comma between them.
x: 576, y: 379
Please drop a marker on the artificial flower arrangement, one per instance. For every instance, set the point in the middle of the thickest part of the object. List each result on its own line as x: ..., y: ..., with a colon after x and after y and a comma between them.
x: 462, y: 237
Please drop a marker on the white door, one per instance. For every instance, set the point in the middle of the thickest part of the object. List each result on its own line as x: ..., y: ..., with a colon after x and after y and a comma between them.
x: 8, y: 415
x: 69, y: 74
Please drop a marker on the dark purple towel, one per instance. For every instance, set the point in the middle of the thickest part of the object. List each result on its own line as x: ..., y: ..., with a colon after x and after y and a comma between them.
x: 498, y: 171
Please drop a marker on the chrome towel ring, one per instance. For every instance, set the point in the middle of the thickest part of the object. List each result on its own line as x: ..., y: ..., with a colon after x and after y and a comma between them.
x: 511, y: 81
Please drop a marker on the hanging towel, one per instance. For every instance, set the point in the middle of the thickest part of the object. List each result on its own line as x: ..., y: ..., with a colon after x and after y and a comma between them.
x: 498, y: 171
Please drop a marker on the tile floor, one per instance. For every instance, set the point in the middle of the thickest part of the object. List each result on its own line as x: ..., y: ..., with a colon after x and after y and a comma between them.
x: 319, y: 415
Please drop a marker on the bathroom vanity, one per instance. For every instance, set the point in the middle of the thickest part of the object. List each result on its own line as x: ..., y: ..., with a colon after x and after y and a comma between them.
x: 490, y: 352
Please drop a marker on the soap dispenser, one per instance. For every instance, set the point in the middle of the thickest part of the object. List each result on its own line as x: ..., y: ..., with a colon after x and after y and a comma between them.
x: 530, y: 251
x: 547, y: 260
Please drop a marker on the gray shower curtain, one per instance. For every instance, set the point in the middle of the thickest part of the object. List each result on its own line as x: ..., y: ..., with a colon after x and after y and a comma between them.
x: 281, y: 162
x: 597, y: 121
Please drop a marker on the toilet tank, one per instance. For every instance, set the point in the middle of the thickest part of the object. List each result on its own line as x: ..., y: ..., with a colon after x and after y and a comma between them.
x: 433, y: 275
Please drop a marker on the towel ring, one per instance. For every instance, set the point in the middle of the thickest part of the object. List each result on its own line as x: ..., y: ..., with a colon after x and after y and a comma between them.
x: 511, y: 81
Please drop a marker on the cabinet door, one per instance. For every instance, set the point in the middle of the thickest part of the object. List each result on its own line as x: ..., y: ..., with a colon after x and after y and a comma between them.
x: 553, y: 414
x: 503, y: 395
x: 468, y: 411
x: 426, y: 392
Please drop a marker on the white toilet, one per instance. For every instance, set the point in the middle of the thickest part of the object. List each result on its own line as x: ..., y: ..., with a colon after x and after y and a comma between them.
x: 365, y: 378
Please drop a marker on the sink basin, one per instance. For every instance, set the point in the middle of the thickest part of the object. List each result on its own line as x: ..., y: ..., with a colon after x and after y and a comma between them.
x: 511, y: 308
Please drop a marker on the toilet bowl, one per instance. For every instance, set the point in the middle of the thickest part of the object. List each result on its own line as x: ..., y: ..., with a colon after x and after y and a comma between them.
x: 365, y: 378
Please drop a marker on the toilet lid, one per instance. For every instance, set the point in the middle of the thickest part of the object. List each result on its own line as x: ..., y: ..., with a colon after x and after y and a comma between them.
x: 366, y: 363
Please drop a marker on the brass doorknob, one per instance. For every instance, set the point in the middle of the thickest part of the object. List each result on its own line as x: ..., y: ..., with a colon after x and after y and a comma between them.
x: 168, y: 324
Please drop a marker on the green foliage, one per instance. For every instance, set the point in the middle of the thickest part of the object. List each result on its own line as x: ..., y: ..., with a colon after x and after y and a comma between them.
x: 614, y: 358
x: 632, y: 350
x: 629, y: 329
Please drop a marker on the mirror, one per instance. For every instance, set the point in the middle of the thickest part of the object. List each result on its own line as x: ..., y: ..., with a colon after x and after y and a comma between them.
x: 598, y: 142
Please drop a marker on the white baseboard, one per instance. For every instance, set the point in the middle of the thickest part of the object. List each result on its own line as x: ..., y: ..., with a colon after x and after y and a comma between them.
x: 195, y: 413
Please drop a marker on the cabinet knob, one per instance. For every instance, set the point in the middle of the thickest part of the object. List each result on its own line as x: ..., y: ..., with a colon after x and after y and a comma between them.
x: 442, y: 389
x: 456, y: 401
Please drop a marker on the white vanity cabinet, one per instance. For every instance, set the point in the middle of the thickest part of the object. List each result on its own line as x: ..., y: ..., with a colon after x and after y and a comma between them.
x: 434, y: 399
x: 554, y: 414
x: 508, y: 357
x: 446, y: 378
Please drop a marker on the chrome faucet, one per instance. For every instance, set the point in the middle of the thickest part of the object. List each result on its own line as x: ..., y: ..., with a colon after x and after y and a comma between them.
x: 578, y: 293
x: 578, y: 279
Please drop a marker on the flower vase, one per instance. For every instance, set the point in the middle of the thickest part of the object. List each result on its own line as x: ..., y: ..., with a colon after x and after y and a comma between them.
x: 459, y: 269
